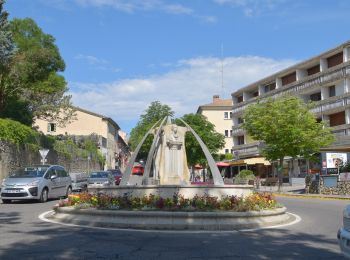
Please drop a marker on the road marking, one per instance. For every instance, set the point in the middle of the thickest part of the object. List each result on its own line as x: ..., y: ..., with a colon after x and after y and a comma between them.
x: 2, y: 218
x: 43, y: 218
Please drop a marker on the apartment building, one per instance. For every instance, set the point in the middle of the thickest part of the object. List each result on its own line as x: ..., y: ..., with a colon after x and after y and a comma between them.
x: 219, y: 113
x: 87, y: 123
x: 324, y: 79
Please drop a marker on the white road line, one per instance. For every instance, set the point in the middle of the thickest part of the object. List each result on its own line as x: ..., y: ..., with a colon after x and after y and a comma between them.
x: 43, y: 218
x: 2, y: 218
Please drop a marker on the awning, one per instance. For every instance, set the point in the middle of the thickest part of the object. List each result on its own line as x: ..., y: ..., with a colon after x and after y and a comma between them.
x: 250, y: 161
x: 222, y: 164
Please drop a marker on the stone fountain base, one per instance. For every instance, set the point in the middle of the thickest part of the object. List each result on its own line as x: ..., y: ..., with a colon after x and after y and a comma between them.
x: 167, y: 220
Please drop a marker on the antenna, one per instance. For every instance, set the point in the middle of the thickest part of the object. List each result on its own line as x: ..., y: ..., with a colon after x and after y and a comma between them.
x: 222, y: 70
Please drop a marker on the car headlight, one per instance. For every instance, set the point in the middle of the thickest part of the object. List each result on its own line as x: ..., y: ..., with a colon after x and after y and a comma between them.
x: 106, y: 183
x: 33, y: 183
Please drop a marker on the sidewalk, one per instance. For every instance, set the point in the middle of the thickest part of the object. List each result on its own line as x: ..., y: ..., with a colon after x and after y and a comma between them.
x: 298, y: 191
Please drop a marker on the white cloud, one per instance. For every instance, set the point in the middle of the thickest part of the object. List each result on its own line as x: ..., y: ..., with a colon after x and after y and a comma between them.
x: 97, y: 63
x: 252, y: 7
x: 192, y: 83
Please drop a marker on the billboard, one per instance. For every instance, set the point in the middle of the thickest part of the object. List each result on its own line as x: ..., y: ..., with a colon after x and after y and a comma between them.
x: 334, y: 160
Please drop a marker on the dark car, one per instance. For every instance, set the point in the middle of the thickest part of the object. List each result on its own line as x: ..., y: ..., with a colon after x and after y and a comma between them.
x: 117, y: 175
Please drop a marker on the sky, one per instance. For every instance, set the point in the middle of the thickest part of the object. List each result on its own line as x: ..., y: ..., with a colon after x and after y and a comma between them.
x: 121, y: 55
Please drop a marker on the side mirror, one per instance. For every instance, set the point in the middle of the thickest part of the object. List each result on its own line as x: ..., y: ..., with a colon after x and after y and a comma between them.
x: 53, y: 177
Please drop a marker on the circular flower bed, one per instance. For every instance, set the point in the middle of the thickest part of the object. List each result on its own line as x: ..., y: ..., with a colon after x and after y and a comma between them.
x: 253, y: 202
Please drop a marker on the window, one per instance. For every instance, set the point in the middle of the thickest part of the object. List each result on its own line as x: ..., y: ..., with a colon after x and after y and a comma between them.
x: 315, y: 97
x: 269, y: 87
x: 239, y: 99
x: 289, y: 78
x: 226, y: 133
x: 240, y: 139
x: 240, y: 120
x: 225, y: 115
x: 335, y: 60
x: 230, y: 132
x: 337, y: 119
x: 226, y: 150
x: 313, y: 70
x: 231, y: 115
x: 51, y: 127
x: 256, y: 93
x: 331, y: 91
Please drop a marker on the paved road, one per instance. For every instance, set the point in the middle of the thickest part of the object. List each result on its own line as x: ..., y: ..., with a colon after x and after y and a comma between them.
x: 24, y: 236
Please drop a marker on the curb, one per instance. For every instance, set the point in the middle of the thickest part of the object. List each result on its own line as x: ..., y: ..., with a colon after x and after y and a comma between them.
x: 306, y: 196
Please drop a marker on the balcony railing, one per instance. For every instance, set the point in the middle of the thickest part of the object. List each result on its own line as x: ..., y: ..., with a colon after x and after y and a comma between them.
x: 331, y: 104
x: 332, y: 74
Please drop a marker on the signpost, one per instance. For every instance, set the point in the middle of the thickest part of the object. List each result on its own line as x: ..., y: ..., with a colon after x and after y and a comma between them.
x: 43, y: 154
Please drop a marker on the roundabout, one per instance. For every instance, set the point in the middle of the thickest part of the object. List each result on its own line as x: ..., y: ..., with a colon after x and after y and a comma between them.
x: 167, y: 220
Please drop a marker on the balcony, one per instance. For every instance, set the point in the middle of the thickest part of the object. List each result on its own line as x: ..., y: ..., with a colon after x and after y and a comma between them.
x: 332, y: 104
x: 315, y: 80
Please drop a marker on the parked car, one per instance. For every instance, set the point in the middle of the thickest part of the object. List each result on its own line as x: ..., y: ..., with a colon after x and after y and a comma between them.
x: 117, y: 175
x: 138, y: 170
x: 344, y: 233
x: 39, y: 182
x: 79, y: 181
x: 101, y: 179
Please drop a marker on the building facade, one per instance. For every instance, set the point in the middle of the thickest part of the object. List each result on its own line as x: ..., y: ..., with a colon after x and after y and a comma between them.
x: 219, y: 113
x: 324, y: 79
x: 87, y: 123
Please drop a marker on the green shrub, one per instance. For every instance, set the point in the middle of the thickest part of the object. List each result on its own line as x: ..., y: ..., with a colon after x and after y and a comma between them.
x: 246, y: 174
x: 16, y: 133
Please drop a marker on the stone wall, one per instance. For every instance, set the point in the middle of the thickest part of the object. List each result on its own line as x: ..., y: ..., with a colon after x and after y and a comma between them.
x: 13, y: 157
x: 317, y: 187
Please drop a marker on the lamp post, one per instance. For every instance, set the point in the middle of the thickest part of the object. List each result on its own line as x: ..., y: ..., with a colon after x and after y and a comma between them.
x: 88, y: 169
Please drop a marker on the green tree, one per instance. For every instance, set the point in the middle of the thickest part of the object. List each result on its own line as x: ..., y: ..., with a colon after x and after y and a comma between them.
x: 33, y: 81
x: 287, y: 128
x: 153, y: 113
x: 206, y: 131
x: 7, y: 46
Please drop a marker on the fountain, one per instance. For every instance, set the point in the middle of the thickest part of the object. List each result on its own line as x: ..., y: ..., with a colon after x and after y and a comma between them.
x: 166, y: 170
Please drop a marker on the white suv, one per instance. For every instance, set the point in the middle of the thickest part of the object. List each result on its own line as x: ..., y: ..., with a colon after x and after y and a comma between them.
x: 39, y: 182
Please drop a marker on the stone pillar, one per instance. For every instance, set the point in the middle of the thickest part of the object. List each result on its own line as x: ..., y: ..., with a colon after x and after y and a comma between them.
x: 278, y: 83
x: 301, y: 74
x: 246, y: 96
x: 261, y: 90
x: 346, y: 54
x: 346, y: 85
x: 323, y: 65
x: 324, y: 93
x: 347, y: 115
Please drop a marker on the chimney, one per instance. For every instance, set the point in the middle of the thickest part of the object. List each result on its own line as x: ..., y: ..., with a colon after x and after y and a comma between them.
x: 216, y: 98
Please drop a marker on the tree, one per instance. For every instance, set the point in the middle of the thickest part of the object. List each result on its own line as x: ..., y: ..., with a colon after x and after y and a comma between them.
x: 153, y: 113
x: 206, y: 131
x: 33, y: 81
x: 287, y: 128
x: 7, y: 46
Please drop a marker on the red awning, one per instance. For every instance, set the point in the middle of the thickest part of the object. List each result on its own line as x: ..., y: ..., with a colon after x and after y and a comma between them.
x: 222, y: 164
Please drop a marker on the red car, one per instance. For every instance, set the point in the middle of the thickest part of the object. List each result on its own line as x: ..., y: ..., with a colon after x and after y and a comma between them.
x: 138, y: 170
x: 117, y: 175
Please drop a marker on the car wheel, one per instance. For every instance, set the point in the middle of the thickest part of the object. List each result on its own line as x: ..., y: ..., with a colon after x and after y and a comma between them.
x: 44, y: 195
x: 6, y: 201
x: 69, y: 191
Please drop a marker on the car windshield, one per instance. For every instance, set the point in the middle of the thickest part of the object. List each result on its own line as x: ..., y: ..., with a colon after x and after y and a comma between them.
x: 29, y: 172
x: 99, y: 175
